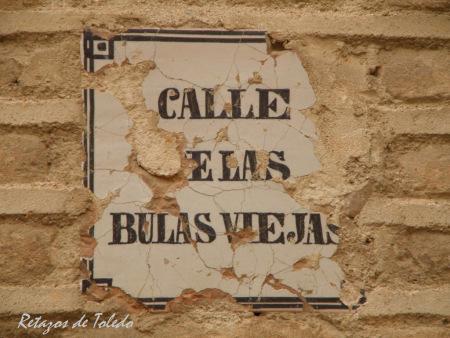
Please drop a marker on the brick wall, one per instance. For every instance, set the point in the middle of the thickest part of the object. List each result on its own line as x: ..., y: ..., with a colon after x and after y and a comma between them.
x: 380, y: 70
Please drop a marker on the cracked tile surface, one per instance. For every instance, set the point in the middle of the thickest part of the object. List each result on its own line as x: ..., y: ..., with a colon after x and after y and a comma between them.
x: 232, y: 226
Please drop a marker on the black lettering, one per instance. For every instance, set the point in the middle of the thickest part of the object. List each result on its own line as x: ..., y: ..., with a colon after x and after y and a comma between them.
x: 162, y: 102
x: 144, y: 228
x: 117, y: 228
x: 205, y: 228
x: 265, y: 228
x: 191, y: 97
x: 161, y: 228
x: 250, y: 114
x: 265, y: 106
x: 209, y: 103
x: 282, y: 168
x: 315, y: 221
x: 236, y: 102
x: 333, y: 230
x: 201, y: 166
x: 229, y: 227
x: 226, y: 172
x: 300, y: 226
x: 183, y: 229
x: 248, y: 219
x: 250, y: 163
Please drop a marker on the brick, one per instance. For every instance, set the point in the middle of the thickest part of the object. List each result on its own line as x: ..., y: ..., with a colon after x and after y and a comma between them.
x: 411, y: 256
x: 21, y: 113
x: 411, y: 75
x: 45, y: 21
x: 420, y: 166
x: 20, y: 4
x: 27, y: 199
x: 25, y: 253
x: 40, y: 300
x: 391, y: 302
x: 294, y: 21
x: 24, y: 158
x: 386, y: 330
x: 30, y: 156
x: 411, y: 212
x: 420, y: 4
x: 349, y: 76
x: 65, y: 249
x: 10, y: 70
x: 51, y: 72
x: 66, y: 157
x: 411, y: 121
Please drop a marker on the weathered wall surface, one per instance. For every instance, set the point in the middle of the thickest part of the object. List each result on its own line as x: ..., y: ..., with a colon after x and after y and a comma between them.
x: 380, y: 70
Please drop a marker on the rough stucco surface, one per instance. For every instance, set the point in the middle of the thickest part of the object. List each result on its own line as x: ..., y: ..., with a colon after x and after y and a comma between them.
x: 380, y: 71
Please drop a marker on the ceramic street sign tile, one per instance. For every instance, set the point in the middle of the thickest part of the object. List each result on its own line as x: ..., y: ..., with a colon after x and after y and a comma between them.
x: 239, y: 110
